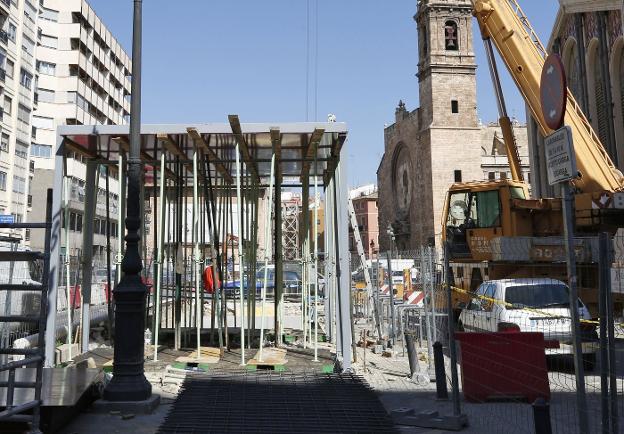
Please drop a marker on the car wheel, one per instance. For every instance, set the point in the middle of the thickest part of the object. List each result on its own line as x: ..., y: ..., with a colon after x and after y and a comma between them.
x: 589, y: 362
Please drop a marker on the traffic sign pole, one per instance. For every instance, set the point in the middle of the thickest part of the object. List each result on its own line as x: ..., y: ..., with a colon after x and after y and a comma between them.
x: 561, y: 170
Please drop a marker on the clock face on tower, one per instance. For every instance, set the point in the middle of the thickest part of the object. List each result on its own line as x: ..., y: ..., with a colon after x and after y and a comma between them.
x: 402, y: 175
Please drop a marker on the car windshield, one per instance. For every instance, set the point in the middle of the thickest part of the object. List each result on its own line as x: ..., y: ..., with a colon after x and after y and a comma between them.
x: 536, y: 296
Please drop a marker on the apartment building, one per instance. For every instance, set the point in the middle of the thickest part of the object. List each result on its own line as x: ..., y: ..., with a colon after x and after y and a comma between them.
x: 18, y: 44
x: 366, y: 213
x: 83, y: 78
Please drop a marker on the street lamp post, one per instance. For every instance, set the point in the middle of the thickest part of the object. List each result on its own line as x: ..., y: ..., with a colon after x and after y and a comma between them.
x: 129, y: 382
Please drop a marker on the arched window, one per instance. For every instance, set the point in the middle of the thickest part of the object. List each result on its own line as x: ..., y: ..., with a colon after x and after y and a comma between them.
x: 597, y: 97
x: 601, y: 101
x: 570, y: 62
x: 451, y: 36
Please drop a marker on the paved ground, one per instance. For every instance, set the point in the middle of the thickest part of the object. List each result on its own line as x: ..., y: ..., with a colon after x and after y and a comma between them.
x: 389, y: 377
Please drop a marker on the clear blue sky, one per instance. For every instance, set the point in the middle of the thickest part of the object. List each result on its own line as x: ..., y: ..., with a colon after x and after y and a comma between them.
x: 203, y: 60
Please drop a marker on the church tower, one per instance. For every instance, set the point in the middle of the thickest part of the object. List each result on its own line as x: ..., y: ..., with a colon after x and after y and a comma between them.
x: 446, y: 64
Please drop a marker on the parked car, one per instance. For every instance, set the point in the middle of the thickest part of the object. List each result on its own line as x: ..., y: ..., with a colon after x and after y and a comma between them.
x: 530, y: 305
x: 292, y: 282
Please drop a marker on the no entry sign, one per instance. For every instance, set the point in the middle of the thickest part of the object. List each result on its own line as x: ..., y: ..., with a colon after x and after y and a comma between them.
x: 553, y: 92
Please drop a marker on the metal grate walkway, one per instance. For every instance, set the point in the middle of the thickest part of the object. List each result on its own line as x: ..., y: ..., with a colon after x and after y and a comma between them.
x: 274, y: 402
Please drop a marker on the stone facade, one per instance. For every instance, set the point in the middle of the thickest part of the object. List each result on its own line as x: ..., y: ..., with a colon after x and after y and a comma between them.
x: 442, y: 142
x: 576, y: 38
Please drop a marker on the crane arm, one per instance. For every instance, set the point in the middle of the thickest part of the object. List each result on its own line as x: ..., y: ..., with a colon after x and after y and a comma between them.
x: 509, y: 29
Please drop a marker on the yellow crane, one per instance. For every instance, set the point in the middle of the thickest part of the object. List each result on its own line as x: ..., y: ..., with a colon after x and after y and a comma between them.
x: 483, y: 219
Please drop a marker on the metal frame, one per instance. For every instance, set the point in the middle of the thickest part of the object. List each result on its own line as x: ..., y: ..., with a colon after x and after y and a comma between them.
x: 197, y: 161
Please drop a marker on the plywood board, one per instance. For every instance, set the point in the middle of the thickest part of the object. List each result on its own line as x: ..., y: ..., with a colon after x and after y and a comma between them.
x: 206, y: 355
x: 270, y: 357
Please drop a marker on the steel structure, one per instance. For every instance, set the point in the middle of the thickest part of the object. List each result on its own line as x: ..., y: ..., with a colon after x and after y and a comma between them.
x: 205, y: 182
x: 291, y: 210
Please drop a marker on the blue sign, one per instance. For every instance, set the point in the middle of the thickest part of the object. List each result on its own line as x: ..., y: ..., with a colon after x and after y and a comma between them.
x: 7, y: 218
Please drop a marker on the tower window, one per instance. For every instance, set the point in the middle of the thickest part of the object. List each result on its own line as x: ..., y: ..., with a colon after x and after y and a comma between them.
x: 454, y: 106
x: 458, y: 176
x: 451, y: 36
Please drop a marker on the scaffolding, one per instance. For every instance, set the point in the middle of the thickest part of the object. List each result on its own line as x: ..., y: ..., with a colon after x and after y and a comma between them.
x: 208, y: 191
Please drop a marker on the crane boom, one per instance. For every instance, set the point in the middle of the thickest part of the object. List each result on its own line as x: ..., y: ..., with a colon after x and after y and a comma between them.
x: 508, y: 27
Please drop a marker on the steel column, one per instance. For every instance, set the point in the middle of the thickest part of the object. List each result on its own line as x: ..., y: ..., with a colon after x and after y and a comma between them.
x: 55, y: 254
x: 342, y: 263
x: 91, y: 181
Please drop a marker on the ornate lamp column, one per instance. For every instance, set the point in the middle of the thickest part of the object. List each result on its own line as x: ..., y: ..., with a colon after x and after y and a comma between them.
x: 129, y: 382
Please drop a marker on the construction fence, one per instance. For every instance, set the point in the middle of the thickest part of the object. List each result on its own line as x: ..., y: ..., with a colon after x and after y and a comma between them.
x: 523, y: 360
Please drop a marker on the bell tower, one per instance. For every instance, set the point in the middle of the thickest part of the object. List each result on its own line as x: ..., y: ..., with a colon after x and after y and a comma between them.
x: 446, y: 64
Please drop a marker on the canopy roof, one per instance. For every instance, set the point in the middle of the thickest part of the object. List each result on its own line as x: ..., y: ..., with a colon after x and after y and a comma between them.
x: 297, y: 146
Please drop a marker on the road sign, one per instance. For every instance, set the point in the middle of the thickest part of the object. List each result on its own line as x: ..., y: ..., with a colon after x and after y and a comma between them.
x: 560, y: 158
x: 7, y: 218
x: 553, y: 92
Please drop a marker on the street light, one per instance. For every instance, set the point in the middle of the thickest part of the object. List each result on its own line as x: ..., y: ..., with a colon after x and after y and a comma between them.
x: 129, y: 382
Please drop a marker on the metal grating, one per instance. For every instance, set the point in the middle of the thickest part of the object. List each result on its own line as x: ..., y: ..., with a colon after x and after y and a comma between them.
x: 276, y: 402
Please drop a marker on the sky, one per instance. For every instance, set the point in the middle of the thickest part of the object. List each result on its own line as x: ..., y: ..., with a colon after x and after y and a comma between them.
x: 203, y: 60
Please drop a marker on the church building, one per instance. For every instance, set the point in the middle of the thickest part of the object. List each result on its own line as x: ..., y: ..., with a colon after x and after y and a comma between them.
x: 441, y: 142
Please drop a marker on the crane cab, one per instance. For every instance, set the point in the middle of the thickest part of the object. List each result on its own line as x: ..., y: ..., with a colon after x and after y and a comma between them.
x: 478, y: 212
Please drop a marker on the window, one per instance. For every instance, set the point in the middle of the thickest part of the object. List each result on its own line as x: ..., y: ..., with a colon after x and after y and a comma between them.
x: 8, y: 103
x: 21, y: 149
x: 49, y: 41
x: 3, y: 180
x: 43, y: 122
x: 517, y: 193
x: 45, y: 95
x: 454, y: 106
x: 46, y: 68
x: 491, y: 176
x: 28, y: 46
x: 503, y: 175
x: 474, y: 210
x: 41, y: 151
x: 458, y: 176
x: 23, y: 113
x: 4, y: 142
x: 26, y: 79
x: 12, y: 32
x: 75, y: 222
x: 450, y: 36
x: 48, y: 14
x: 539, y: 295
x: 19, y: 184
x: 10, y: 68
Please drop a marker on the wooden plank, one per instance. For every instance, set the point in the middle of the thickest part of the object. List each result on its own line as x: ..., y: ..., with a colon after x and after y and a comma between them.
x: 174, y: 149
x: 207, y: 355
x: 270, y: 357
x: 310, y: 151
x: 198, y: 139
x: 244, y: 148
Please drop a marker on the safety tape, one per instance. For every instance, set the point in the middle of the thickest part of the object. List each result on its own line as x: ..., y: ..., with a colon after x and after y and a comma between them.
x: 506, y: 304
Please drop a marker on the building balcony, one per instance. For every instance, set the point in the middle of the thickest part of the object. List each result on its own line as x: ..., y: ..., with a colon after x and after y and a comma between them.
x: 2, y: 75
x: 4, y: 37
x: 5, y: 7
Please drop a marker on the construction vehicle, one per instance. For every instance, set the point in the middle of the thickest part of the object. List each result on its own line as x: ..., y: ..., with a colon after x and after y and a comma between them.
x: 493, y: 229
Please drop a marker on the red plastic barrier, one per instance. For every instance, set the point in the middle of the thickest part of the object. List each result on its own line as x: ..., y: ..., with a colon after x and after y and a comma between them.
x: 503, y: 365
